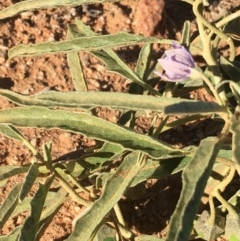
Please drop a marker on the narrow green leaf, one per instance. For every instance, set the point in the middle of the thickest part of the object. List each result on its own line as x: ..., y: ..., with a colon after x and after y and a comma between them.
x: 29, y: 181
x: 47, y: 148
x: 232, y: 27
x: 143, y: 63
x: 87, y: 125
x: 235, y: 129
x: 185, y: 107
x: 113, y: 100
x: 9, y: 204
x: 25, y: 204
x: 185, y: 39
x: 181, y: 121
x: 33, y: 4
x: 106, y: 148
x: 76, y: 69
x: 116, y: 65
x: 153, y: 169
x: 84, y: 44
x: 9, y: 171
x: 231, y: 69
x: 12, y: 236
x: 113, y: 191
x: 159, y: 169
x: 110, y: 58
x: 30, y: 226
x: 234, y: 200
x: 195, y: 176
x: 12, y: 132
x: 51, y: 210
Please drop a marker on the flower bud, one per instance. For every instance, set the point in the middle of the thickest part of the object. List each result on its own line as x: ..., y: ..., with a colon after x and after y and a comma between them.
x: 177, y: 64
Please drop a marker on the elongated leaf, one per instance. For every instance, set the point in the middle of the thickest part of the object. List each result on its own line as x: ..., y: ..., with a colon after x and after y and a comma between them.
x: 153, y: 169
x: 110, y: 58
x: 50, y: 211
x: 232, y: 28
x: 25, y: 204
x: 232, y: 70
x: 185, y: 39
x: 113, y: 191
x: 235, y: 129
x: 30, y: 226
x: 183, y: 108
x: 9, y: 204
x: 47, y: 148
x: 88, y: 125
x: 9, y: 171
x: 116, y: 65
x: 106, y: 148
x: 84, y: 44
x: 76, y: 70
x: 143, y: 63
x: 29, y: 181
x: 82, y: 29
x: 12, y: 132
x: 195, y: 176
x: 163, y: 168
x: 12, y: 236
x: 114, y: 100
x: 33, y: 4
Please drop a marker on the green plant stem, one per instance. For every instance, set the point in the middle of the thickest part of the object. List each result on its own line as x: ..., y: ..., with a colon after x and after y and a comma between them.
x: 221, y: 187
x: 75, y: 182
x: 71, y: 192
x: 234, y: 87
x: 126, y: 233
x: 119, y: 215
x: 227, y: 19
x: 120, y: 219
x: 212, y: 217
x: 225, y: 204
x: 228, y: 179
x: 210, y: 85
x: 160, y: 127
x: 223, y: 36
x: 207, y: 51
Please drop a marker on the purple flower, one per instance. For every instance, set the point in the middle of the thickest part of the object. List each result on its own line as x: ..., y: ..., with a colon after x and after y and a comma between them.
x: 177, y: 64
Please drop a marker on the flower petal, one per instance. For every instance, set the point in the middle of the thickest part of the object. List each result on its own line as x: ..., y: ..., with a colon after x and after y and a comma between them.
x: 174, y: 71
x: 163, y: 76
x: 177, y: 46
x: 181, y: 56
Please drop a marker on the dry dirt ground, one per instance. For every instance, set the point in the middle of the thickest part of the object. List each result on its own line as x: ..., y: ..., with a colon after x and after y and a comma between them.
x: 28, y: 75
